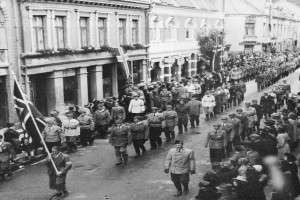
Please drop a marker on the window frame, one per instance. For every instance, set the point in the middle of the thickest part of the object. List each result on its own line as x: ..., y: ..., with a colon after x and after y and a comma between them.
x: 247, y: 25
x: 35, y: 32
x: 122, y: 29
x: 102, y: 29
x: 63, y: 27
x: 135, y: 30
x: 87, y: 28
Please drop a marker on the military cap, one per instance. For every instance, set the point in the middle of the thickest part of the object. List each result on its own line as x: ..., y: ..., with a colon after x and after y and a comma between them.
x: 154, y: 108
x: 269, y: 122
x: 138, y: 117
x: 239, y: 110
x: 81, y: 111
x: 247, y: 102
x: 216, y: 125
x: 232, y: 114
x: 101, y: 101
x: 169, y: 106
x: 224, y: 117
x: 134, y: 94
x: 254, y: 136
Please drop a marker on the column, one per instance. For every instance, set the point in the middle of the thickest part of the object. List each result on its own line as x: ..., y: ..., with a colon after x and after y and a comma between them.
x: 115, y: 80
x: 82, y: 82
x: 144, y: 68
x: 162, y: 71
x: 149, y: 71
x: 68, y: 31
x: 179, y: 72
x: 96, y: 78
x: 189, y: 70
x: 55, y: 89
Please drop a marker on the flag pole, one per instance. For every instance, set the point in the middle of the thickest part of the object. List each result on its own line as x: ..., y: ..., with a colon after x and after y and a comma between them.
x: 34, y: 122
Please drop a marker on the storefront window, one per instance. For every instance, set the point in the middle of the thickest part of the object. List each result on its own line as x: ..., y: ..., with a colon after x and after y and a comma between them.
x: 107, y: 80
x: 70, y: 90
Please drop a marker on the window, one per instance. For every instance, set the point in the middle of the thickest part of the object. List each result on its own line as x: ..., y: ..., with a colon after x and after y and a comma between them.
x: 171, y: 31
x: 102, y: 31
x: 60, y: 31
x: 189, y: 32
x: 122, y: 31
x: 155, y: 30
x: 135, y: 31
x: 250, y: 29
x: 83, y: 24
x: 38, y: 32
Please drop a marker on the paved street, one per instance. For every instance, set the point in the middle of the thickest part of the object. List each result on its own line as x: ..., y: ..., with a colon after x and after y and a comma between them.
x: 95, y: 176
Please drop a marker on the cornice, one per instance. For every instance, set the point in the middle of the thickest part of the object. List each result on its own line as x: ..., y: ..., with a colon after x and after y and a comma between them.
x: 142, y: 5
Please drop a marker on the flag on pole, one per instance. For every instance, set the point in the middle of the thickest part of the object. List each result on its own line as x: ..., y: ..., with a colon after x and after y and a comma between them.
x: 25, y: 109
x: 123, y: 59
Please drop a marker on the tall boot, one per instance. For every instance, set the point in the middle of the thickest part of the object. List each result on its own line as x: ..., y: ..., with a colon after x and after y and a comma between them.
x: 172, y: 134
x: 179, y: 189
x: 125, y: 157
x: 185, y: 188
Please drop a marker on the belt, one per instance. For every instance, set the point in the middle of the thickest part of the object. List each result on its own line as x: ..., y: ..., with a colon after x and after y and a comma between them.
x: 70, y: 128
x: 155, y: 122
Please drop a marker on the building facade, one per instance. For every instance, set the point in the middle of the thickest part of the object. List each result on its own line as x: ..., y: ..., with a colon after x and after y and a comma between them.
x: 9, y: 54
x: 69, y: 55
x: 260, y: 25
x: 173, y: 29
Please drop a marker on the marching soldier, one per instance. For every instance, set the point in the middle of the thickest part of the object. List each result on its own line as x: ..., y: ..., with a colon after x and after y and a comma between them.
x: 194, y: 111
x: 102, y: 120
x: 85, y: 123
x: 237, y: 127
x: 140, y: 134
x: 244, y: 121
x: 165, y: 98
x: 251, y: 115
x: 259, y: 79
x: 182, y: 111
x: 259, y: 113
x: 6, y: 153
x: 155, y: 121
x: 267, y: 104
x: 118, y: 112
x: 171, y: 119
x: 229, y: 133
x: 120, y: 138
x: 216, y: 140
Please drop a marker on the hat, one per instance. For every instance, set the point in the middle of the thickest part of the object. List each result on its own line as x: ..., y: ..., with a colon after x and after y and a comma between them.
x: 231, y: 114
x: 256, y: 136
x: 154, y: 108
x: 137, y: 117
x: 49, y: 119
x: 257, y: 168
x: 292, y: 116
x: 169, y: 106
x: 224, y: 117
x: 216, y: 125
x: 101, y: 101
x: 81, y: 111
x: 241, y: 178
x: 269, y: 122
x: 204, y: 184
x: 247, y: 102
x: 224, y: 187
x: 254, y: 101
x: 290, y: 157
x: 239, y: 110
x: 134, y: 94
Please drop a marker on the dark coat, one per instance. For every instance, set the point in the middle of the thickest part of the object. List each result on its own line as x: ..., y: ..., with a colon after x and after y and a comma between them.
x: 259, y: 110
x: 63, y: 164
x: 266, y: 103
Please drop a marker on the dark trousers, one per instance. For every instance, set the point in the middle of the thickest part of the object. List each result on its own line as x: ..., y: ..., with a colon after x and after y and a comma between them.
x: 85, y: 136
x: 216, y: 155
x: 102, y: 130
x: 236, y: 140
x: 179, y: 179
x: 228, y: 148
x: 193, y: 119
x: 71, y: 143
x: 169, y: 133
x: 182, y: 122
x: 139, y: 144
x: 154, y: 135
x: 52, y: 144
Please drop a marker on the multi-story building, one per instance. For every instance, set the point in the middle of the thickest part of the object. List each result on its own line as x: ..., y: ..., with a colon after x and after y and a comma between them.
x: 9, y: 54
x: 174, y: 26
x: 69, y: 54
x: 260, y: 25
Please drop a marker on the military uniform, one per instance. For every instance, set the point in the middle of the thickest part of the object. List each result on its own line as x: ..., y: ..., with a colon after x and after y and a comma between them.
x: 259, y: 80
x: 237, y: 127
x: 118, y: 112
x: 139, y: 134
x: 251, y: 115
x: 102, y: 120
x: 165, y: 98
x: 182, y: 112
x: 120, y: 138
x: 194, y: 112
x: 85, y: 123
x: 155, y: 121
x: 171, y: 119
x: 229, y: 130
x: 216, y: 140
x: 6, y: 152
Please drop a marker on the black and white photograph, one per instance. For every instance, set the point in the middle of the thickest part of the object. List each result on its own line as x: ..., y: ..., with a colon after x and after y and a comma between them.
x: 149, y: 99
